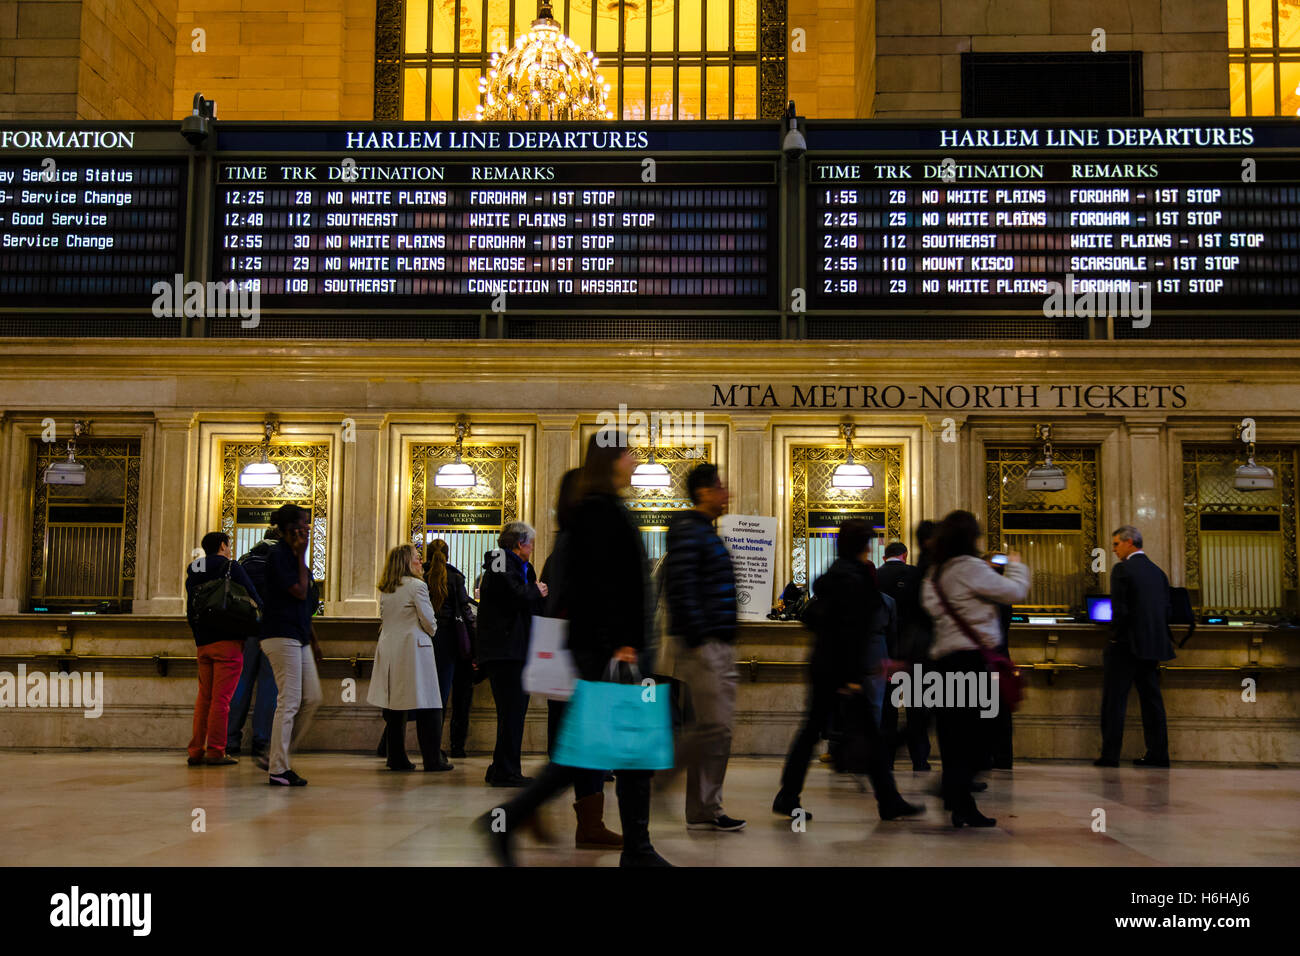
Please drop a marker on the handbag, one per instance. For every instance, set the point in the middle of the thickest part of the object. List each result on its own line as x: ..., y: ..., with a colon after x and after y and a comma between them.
x: 225, y: 605
x: 615, y: 726
x: 1011, y: 685
x: 549, y: 670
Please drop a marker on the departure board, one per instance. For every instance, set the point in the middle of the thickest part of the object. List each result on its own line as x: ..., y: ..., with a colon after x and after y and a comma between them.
x: 80, y: 231
x: 544, y: 233
x: 998, y: 233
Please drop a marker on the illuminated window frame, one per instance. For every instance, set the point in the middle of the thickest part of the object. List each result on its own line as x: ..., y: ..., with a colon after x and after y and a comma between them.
x: 392, y: 61
x: 1244, y: 57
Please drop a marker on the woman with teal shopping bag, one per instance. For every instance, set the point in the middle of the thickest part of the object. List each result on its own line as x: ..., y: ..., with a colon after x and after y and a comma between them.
x: 610, y: 606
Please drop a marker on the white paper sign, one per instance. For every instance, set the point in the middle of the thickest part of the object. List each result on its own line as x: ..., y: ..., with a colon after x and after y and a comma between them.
x: 752, y: 543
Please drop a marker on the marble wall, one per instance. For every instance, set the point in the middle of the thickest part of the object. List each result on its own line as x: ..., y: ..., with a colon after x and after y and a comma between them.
x: 1208, y: 719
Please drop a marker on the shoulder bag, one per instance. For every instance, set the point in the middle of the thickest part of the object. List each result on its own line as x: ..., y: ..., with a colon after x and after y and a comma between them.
x: 1011, y: 685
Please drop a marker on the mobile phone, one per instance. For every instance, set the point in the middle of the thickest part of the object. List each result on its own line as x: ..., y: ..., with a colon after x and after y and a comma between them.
x: 998, y: 558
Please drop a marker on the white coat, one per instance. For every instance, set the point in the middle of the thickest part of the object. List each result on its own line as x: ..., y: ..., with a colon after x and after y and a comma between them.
x: 405, y: 676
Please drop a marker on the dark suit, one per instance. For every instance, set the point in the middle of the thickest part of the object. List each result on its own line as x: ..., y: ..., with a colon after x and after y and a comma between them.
x: 1139, y: 593
x: 902, y: 582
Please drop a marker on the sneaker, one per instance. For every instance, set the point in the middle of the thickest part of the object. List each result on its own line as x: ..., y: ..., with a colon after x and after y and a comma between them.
x: 286, y: 779
x: 264, y: 762
x: 721, y: 822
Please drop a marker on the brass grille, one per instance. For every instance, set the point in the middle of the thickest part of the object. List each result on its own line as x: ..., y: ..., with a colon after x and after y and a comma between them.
x: 1242, y: 572
x: 83, y: 542
x: 811, y: 470
x: 1059, y: 560
x: 496, y: 468
x: 305, y: 467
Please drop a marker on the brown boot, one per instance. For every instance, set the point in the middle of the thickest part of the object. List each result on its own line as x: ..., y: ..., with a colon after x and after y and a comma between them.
x: 592, y: 834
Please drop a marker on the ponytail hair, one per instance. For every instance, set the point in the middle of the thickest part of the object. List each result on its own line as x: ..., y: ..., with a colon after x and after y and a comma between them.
x: 435, y: 575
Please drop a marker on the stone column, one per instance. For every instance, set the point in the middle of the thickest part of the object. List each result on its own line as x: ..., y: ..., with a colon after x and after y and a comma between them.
x: 946, y: 485
x: 557, y: 452
x: 748, y: 472
x: 170, y: 533
x: 1149, y: 487
x: 15, y: 526
x: 363, y: 532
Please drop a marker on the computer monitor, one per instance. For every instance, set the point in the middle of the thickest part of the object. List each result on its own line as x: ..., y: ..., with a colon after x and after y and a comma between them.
x: 1099, y: 608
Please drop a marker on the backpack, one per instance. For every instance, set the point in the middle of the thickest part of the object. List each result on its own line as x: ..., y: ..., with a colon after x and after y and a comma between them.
x: 254, y: 563
x: 224, y: 606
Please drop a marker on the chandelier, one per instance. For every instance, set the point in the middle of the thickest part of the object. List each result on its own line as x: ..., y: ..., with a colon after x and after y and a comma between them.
x: 545, y: 76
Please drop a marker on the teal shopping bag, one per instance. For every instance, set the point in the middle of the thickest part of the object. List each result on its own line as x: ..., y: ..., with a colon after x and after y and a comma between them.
x: 610, y: 726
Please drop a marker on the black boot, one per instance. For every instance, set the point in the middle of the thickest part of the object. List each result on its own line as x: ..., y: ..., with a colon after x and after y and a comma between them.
x: 633, y: 789
x: 428, y: 728
x: 493, y: 828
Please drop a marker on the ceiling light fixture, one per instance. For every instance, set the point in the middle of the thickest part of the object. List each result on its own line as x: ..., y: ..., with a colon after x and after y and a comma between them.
x: 457, y: 474
x: 850, y: 475
x: 264, y: 473
x: 1047, y: 476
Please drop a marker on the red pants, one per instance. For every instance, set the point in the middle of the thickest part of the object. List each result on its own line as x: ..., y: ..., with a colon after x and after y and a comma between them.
x: 219, y: 665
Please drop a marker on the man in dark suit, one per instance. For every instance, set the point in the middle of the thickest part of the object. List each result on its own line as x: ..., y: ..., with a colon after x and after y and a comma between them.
x: 902, y: 582
x: 1139, y: 594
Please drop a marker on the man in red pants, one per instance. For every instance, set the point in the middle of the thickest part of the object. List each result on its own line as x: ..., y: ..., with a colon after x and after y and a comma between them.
x: 220, y: 652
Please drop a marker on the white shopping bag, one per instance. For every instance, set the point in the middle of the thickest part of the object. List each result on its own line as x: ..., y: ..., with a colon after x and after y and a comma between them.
x: 549, y: 670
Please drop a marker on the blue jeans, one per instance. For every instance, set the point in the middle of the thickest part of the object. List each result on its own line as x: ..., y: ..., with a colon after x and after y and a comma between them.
x: 257, y: 670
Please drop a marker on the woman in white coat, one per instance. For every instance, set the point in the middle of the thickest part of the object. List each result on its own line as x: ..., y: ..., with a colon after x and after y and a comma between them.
x: 405, y: 675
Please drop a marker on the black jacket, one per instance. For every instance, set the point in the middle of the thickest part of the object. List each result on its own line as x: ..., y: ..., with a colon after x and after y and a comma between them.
x: 1139, y: 595
x: 214, y: 567
x: 846, y: 617
x: 701, y: 583
x: 610, y: 602
x: 902, y: 582
x: 507, y: 602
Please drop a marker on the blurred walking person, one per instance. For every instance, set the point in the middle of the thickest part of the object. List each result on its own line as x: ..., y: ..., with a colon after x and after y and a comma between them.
x: 961, y: 593
x: 454, y: 640
x: 405, y: 676
x: 700, y: 588
x: 851, y: 621
x: 219, y: 649
x: 291, y: 598
x: 1139, y: 595
x: 588, y: 785
x: 509, y: 596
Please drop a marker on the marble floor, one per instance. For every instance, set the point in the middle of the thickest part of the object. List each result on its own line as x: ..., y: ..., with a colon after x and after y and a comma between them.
x: 134, y: 808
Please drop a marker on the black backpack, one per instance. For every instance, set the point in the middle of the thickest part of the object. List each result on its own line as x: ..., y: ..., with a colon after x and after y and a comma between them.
x: 254, y: 563
x: 224, y: 606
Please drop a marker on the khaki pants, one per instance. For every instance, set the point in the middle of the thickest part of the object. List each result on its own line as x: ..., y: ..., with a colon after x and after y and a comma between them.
x: 710, y: 675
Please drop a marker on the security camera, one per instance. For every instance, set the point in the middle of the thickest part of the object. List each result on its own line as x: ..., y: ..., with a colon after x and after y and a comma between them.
x: 794, y: 145
x: 196, y: 127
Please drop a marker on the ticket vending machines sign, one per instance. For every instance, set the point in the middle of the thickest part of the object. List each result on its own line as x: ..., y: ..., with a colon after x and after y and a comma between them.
x: 751, y: 540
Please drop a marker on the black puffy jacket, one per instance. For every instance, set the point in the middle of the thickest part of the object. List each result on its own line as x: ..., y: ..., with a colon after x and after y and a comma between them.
x: 852, y: 623
x: 701, y: 583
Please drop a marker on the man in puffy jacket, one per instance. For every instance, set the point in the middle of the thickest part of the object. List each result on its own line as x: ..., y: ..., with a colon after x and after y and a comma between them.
x: 220, y: 653
x: 257, y: 669
x: 700, y: 585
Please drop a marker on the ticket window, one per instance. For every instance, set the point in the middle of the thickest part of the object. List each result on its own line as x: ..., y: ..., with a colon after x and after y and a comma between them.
x: 653, y: 509
x: 469, y: 519
x: 1055, y: 532
x: 1239, y: 546
x: 305, y: 481
x: 818, y: 508
x: 84, y: 536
